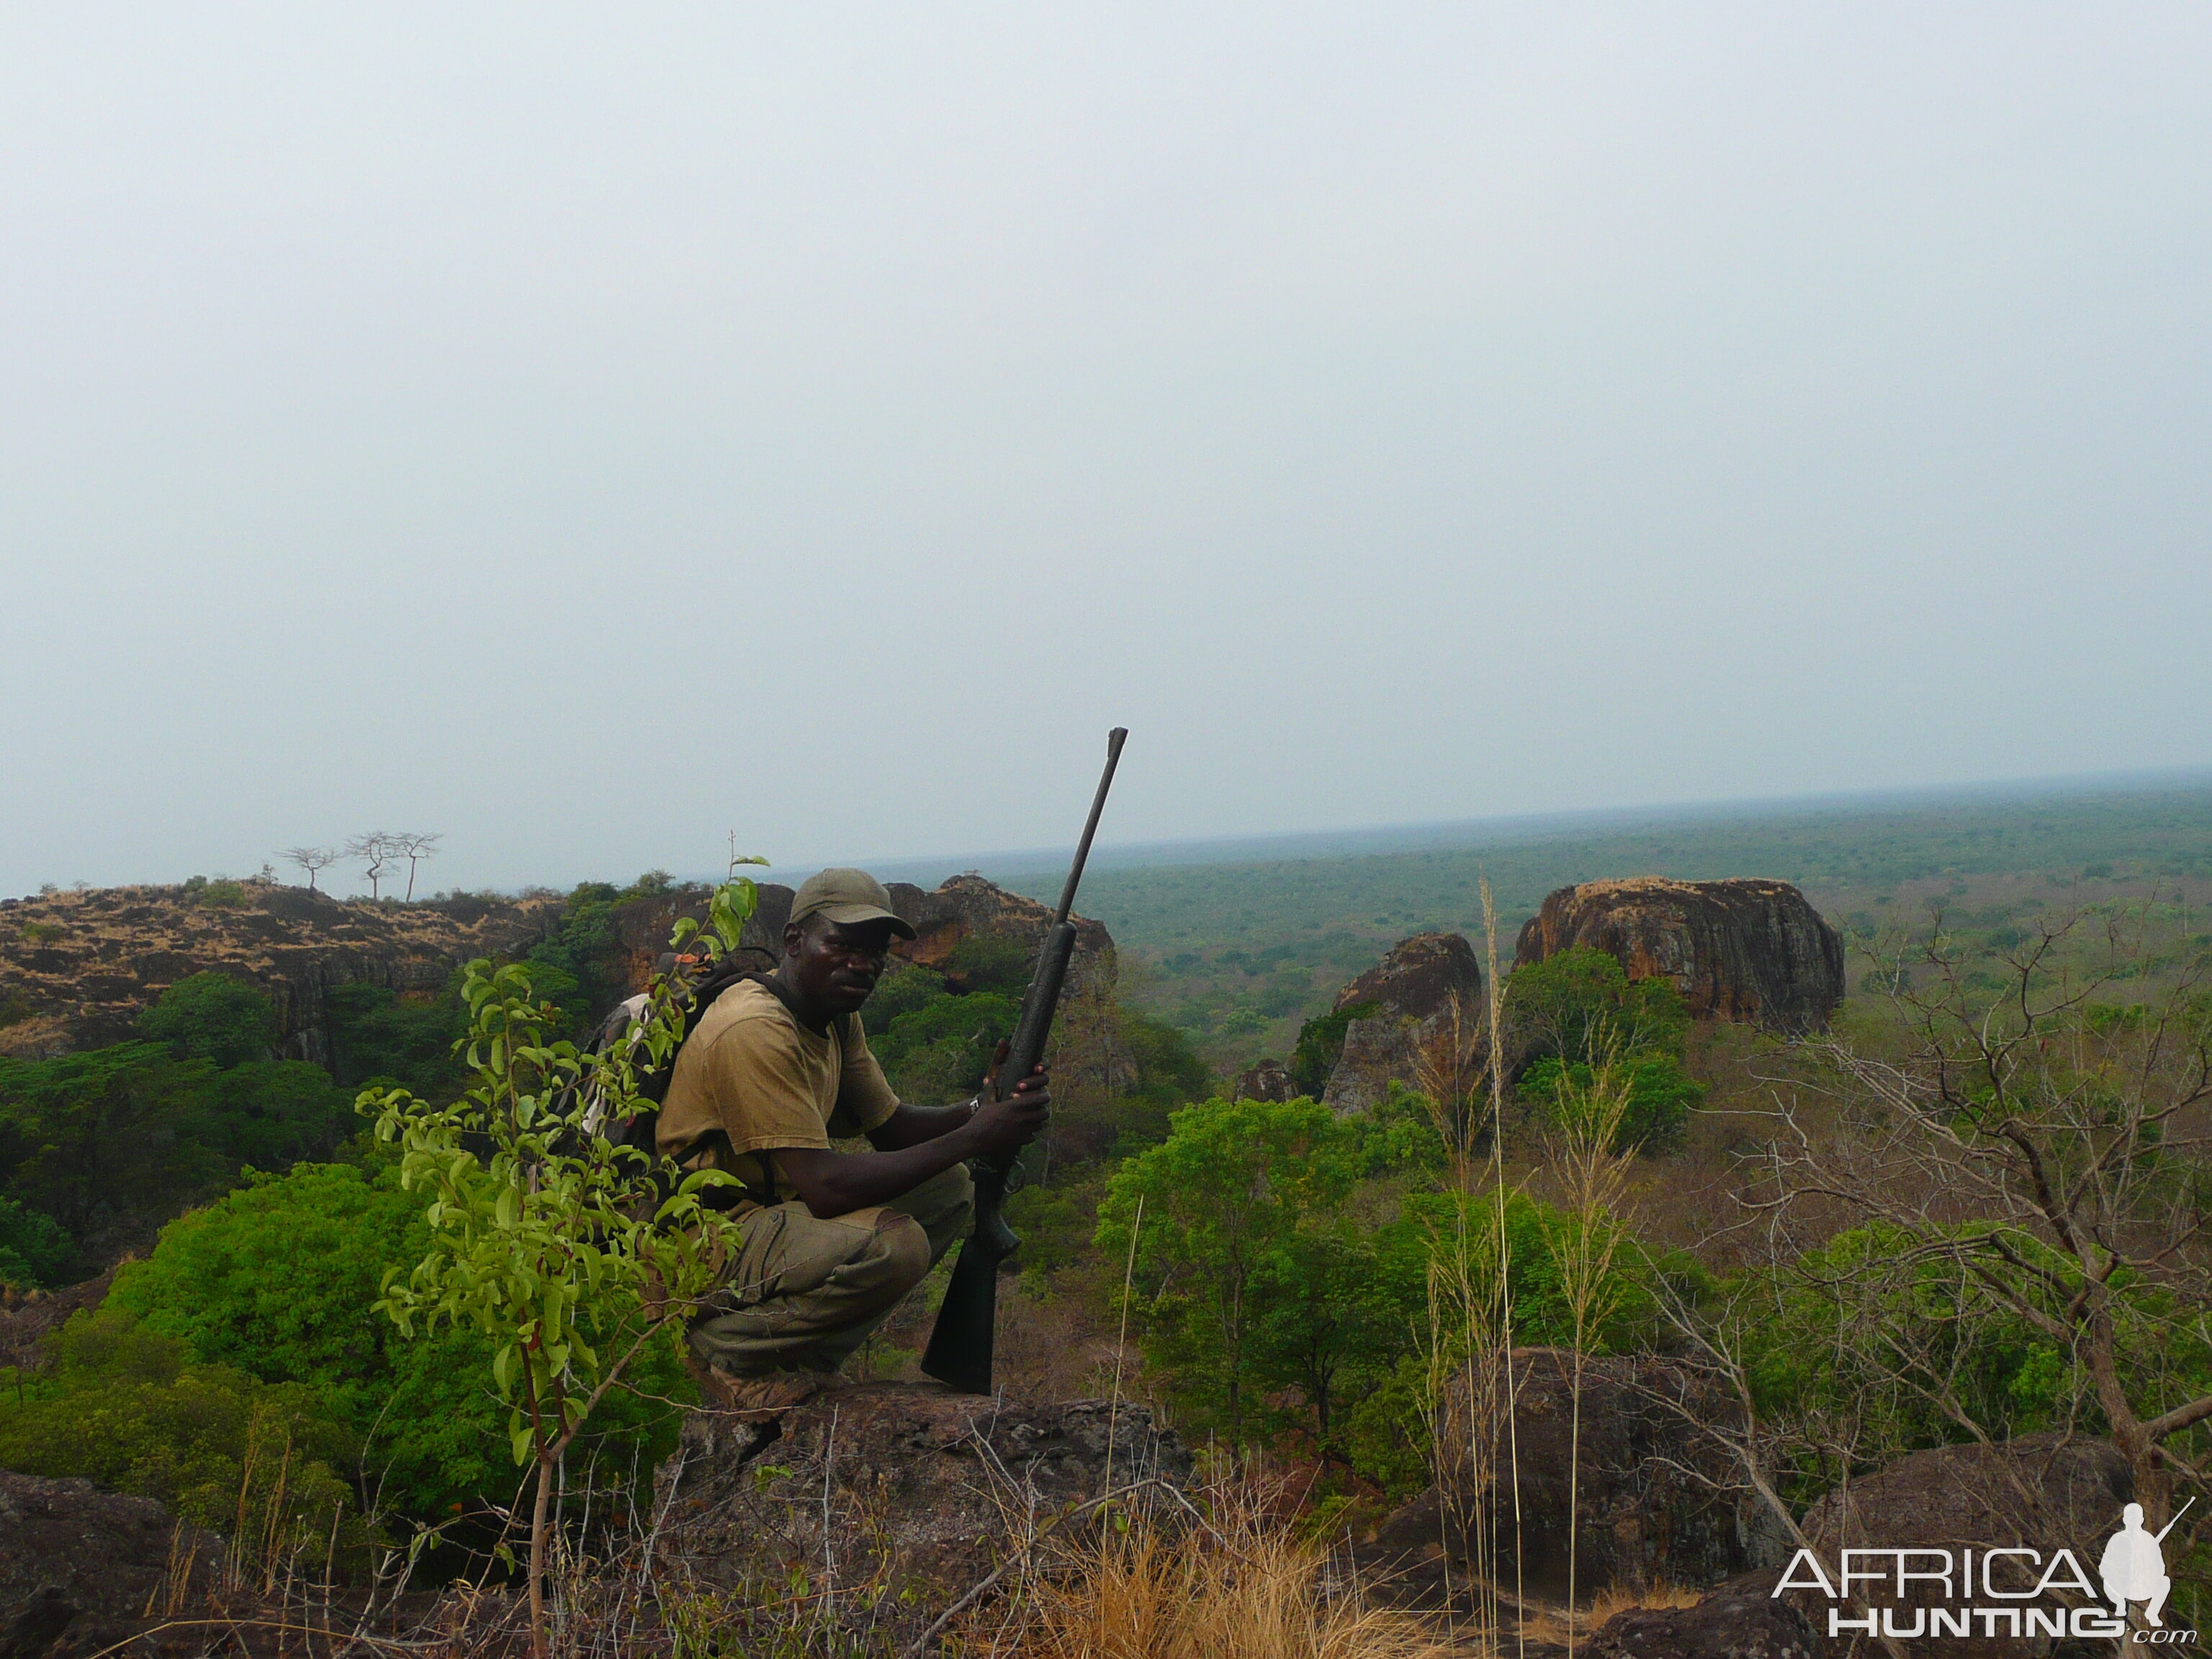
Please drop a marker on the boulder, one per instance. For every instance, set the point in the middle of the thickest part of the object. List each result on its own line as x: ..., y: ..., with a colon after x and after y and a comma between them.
x: 1748, y: 950
x: 894, y: 1498
x: 1425, y: 1029
x: 80, y: 1567
x: 1742, y: 1618
x: 1657, y: 1499
x: 2042, y: 1491
x: 1264, y: 1079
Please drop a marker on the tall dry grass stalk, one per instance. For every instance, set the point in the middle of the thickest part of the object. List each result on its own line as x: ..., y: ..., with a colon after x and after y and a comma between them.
x: 1470, y: 1318
x: 1584, y: 1238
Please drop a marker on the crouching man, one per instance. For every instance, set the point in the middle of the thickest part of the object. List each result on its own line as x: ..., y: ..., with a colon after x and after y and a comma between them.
x: 833, y: 1240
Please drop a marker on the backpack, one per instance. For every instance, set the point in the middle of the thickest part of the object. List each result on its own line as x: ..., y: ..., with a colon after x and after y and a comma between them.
x: 624, y: 1026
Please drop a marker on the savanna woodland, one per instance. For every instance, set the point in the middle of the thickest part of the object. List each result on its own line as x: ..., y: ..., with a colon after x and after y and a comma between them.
x: 1456, y: 1316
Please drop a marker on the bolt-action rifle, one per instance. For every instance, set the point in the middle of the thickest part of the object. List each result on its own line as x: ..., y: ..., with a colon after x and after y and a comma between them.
x: 959, y: 1352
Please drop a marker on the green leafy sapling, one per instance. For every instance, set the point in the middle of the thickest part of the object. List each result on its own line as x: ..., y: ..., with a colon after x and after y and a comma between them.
x: 571, y: 1252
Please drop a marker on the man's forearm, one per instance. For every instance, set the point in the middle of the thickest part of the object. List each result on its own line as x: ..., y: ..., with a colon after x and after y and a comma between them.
x: 832, y: 1183
x: 913, y: 1126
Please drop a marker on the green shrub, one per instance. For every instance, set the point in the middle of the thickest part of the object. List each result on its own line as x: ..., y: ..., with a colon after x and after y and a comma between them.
x: 214, y: 1017
x: 279, y: 1279
x: 1581, y: 1005
x: 1320, y: 1045
x: 36, y: 1251
x: 129, y: 1409
x: 904, y: 988
x: 1660, y: 1097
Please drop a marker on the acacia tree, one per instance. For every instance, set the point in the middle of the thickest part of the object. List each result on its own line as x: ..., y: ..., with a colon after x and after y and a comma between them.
x: 375, y: 850
x: 312, y: 859
x: 414, y: 846
x: 570, y: 1252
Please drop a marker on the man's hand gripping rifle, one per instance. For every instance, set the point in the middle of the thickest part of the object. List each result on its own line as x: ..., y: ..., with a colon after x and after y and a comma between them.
x: 959, y: 1352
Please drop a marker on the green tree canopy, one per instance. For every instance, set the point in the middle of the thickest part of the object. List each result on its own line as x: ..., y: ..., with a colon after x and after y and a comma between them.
x: 214, y: 1017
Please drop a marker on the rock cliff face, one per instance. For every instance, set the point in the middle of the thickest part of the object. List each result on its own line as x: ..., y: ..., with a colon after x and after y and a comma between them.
x: 77, y: 969
x: 906, y: 1489
x: 1748, y: 950
x: 1428, y: 990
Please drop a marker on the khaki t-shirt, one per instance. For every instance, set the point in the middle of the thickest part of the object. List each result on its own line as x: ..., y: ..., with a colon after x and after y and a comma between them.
x: 763, y: 1081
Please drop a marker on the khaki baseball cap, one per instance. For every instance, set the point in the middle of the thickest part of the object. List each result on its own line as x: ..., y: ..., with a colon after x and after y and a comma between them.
x: 847, y: 897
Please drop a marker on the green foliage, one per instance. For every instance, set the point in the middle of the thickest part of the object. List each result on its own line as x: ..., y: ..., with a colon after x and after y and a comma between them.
x: 1000, y: 966
x: 565, y: 1252
x: 1320, y: 1045
x: 1255, y: 1276
x: 1662, y: 1095
x: 36, y: 1252
x: 904, y: 988
x: 940, y: 1050
x: 280, y: 1280
x: 408, y: 1038
x: 214, y: 1017
x: 1581, y: 1006
x: 131, y: 1131
x: 129, y: 1409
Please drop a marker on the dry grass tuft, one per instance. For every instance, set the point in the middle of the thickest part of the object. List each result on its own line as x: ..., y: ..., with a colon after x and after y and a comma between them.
x: 1255, y: 1593
x: 1558, y: 1625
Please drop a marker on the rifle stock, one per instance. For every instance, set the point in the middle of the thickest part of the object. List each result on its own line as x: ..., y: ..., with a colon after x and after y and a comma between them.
x: 961, y: 1344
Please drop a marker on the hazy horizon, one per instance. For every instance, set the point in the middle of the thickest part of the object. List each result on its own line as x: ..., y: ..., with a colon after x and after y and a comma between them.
x: 587, y: 433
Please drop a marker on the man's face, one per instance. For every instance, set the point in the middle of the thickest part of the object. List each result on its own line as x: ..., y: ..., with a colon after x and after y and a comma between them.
x: 837, y: 965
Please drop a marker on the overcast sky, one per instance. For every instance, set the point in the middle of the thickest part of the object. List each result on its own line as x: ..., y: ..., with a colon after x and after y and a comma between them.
x: 585, y: 431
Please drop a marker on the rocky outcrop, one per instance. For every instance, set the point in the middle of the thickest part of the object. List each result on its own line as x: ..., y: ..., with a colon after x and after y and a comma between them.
x: 968, y: 907
x: 1657, y: 1498
x: 1746, y: 949
x: 1427, y: 997
x: 78, y: 969
x: 80, y: 1567
x: 1742, y: 1618
x: 2042, y: 1491
x: 964, y: 908
x: 895, y: 1497
x: 1265, y: 1079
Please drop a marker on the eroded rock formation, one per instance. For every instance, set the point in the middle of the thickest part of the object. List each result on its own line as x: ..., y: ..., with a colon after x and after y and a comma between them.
x: 1749, y: 949
x: 1427, y: 993
x: 905, y: 1487
x: 78, y: 969
x: 1265, y: 1079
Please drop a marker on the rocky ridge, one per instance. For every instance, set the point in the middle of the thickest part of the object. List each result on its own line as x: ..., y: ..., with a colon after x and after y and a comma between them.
x: 77, y: 969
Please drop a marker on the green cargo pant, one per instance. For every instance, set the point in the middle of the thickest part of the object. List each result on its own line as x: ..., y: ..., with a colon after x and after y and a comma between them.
x: 803, y: 1292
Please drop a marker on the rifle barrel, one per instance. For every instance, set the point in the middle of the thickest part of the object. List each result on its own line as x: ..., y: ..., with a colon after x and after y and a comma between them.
x: 1115, y: 739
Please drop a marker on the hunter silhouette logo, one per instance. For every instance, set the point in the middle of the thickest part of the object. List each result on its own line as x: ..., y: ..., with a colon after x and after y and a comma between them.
x: 2016, y: 1592
x: 2133, y: 1564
